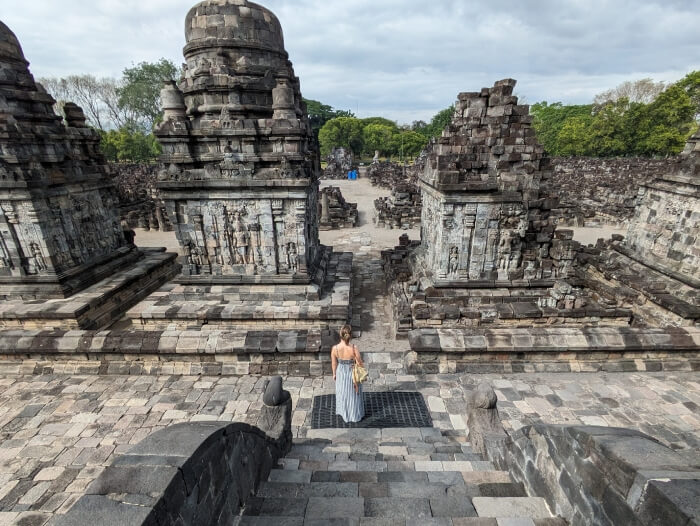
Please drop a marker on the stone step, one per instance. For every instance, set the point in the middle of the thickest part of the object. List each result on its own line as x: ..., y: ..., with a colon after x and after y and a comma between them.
x: 448, y: 509
x: 393, y: 465
x: 454, y: 485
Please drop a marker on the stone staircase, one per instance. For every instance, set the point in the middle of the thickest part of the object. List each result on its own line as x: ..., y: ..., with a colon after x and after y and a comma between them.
x: 384, y: 477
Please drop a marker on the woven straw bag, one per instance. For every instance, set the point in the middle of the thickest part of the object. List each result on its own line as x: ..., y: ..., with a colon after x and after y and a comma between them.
x: 359, y: 374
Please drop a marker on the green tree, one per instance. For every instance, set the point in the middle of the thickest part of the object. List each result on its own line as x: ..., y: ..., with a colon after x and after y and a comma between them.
x: 140, y: 91
x: 343, y: 132
x: 378, y: 137
x: 408, y: 143
x: 319, y: 114
x: 129, y: 144
x: 437, y: 123
x: 666, y: 123
x: 574, y: 136
x: 380, y: 121
x: 691, y: 85
x: 549, y: 119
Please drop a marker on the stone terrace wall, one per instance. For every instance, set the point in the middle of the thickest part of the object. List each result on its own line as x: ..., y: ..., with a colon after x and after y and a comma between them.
x: 603, y: 476
x: 187, y: 474
x: 602, y: 190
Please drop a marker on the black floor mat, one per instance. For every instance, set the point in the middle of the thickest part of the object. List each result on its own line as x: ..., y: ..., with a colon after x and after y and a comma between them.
x: 387, y: 409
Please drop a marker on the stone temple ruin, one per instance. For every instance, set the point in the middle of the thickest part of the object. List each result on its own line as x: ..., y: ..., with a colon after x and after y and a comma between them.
x: 338, y: 164
x: 59, y: 230
x: 133, y: 386
x: 240, y: 181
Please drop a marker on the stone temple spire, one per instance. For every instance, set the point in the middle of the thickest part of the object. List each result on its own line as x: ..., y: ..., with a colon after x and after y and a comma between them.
x: 58, y: 221
x: 240, y: 166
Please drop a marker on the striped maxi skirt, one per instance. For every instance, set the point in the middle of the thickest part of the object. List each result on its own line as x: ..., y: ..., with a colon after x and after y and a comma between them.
x: 348, y: 404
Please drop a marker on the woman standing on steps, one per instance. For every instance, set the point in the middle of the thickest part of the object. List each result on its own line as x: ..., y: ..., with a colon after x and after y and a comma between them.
x: 349, y: 402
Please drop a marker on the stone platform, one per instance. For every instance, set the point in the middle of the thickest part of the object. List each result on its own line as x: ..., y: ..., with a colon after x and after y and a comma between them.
x: 101, y: 304
x: 320, y: 303
x: 60, y: 432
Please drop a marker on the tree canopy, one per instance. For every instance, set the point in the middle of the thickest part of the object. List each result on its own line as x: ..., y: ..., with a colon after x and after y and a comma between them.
x: 636, y: 118
x: 140, y: 91
x: 365, y: 136
x: 319, y: 114
x: 122, y: 110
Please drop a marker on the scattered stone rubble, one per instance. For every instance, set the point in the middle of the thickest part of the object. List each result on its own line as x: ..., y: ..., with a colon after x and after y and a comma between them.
x: 402, y: 209
x: 602, y: 191
x: 138, y: 205
x: 336, y: 212
x: 387, y: 174
x: 339, y: 163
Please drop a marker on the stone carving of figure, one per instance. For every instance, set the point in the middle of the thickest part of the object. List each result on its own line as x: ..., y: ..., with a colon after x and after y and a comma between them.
x: 453, y: 265
x: 284, y: 254
x: 35, y: 261
x: 522, y: 228
x: 505, y: 247
x: 204, y: 68
x: 292, y: 254
x: 243, y: 245
x: 375, y: 159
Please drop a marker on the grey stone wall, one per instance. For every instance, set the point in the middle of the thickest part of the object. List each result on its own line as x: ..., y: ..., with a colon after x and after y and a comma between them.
x: 666, y: 225
x: 196, y: 474
x: 603, y: 476
x: 590, y: 474
x: 602, y: 191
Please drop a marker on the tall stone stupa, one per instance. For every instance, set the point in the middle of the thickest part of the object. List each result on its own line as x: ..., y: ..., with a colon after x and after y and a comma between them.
x: 240, y: 176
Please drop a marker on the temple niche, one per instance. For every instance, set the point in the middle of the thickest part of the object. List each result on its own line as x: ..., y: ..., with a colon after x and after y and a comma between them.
x: 240, y: 171
x: 59, y: 225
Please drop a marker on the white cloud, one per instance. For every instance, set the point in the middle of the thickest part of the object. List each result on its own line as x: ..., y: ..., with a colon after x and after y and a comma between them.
x: 404, y: 59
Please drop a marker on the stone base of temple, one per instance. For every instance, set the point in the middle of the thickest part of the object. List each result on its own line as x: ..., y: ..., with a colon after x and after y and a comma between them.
x: 657, y: 296
x: 67, y: 284
x: 120, y: 284
x: 216, y: 351
x: 208, y: 351
x: 423, y: 302
x: 553, y: 349
x: 323, y: 303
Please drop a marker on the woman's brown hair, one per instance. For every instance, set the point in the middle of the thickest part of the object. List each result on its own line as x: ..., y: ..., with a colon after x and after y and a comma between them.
x: 346, y: 333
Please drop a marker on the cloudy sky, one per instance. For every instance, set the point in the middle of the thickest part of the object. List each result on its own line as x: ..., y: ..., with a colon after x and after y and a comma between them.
x: 402, y: 59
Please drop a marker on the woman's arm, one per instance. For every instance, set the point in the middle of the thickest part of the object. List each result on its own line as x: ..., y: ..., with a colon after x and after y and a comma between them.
x: 334, y: 361
x: 358, y: 356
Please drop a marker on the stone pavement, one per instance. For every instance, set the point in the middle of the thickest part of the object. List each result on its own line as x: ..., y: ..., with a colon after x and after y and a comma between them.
x: 57, y: 433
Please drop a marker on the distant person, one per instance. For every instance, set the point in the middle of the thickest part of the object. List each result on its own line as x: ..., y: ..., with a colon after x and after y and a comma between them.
x: 349, y: 400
